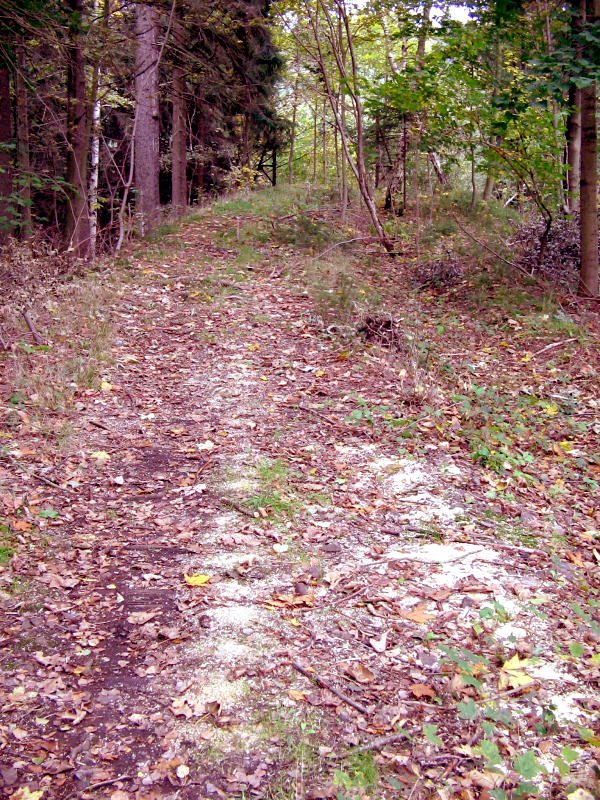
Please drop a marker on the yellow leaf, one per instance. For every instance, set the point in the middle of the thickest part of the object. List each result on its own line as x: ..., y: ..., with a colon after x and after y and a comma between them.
x: 264, y: 378
x: 550, y: 409
x: 105, y: 386
x: 296, y: 695
x: 24, y: 793
x: 101, y: 456
x: 196, y: 580
x: 293, y: 621
x: 527, y: 357
x: 319, y: 373
x: 513, y: 673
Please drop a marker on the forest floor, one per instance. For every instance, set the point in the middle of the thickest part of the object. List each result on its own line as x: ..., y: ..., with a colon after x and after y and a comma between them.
x: 279, y: 526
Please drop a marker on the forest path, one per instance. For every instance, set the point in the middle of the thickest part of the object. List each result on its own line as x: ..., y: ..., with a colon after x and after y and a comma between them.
x: 226, y: 526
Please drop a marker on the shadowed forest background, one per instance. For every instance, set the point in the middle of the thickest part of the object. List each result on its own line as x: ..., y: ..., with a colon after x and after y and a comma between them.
x: 115, y: 115
x: 299, y: 409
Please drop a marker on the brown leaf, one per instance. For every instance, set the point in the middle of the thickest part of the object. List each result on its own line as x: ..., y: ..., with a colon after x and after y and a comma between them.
x: 360, y: 672
x: 422, y: 690
x: 418, y: 614
x: 380, y: 644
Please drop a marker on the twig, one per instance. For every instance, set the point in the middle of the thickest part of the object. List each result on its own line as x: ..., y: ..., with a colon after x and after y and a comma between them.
x: 325, y: 685
x: 100, y: 784
x: 346, y: 241
x: 98, y: 425
x: 379, y: 742
x: 489, y: 249
x: 554, y: 344
x: 41, y: 478
x: 446, y: 560
x: 36, y: 336
x: 237, y: 507
x: 308, y: 410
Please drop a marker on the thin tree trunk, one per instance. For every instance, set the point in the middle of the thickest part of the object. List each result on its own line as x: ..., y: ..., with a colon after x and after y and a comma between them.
x: 94, y: 172
x: 588, y: 276
x: 314, y: 169
x: 490, y: 182
x: 573, y: 149
x: 77, y: 222
x: 473, y: 180
x: 324, y: 141
x: 23, y: 157
x: 294, y: 118
x: 342, y: 111
x: 179, y: 143
x: 6, y: 219
x: 146, y: 140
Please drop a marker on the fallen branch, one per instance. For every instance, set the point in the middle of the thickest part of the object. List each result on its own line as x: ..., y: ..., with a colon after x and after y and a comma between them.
x: 308, y: 410
x: 100, y: 785
x: 489, y: 249
x: 325, y: 685
x: 237, y: 507
x: 29, y: 322
x: 346, y: 241
x: 24, y: 469
x: 380, y: 742
x: 553, y: 345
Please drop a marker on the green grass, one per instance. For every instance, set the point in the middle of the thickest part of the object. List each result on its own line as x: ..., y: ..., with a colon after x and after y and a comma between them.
x: 275, y: 504
x: 8, y: 544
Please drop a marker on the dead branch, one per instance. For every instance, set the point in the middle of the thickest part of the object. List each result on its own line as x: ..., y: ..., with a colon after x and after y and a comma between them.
x: 380, y: 742
x: 325, y: 685
x: 346, y: 241
x: 37, y: 338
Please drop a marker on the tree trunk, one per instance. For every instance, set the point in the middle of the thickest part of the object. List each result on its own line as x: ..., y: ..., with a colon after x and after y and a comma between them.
x: 23, y: 158
x: 490, y: 182
x: 5, y: 161
x: 77, y: 222
x: 293, y: 132
x: 573, y: 149
x: 588, y: 276
x: 179, y: 143
x: 314, y: 169
x: 324, y: 141
x: 147, y: 132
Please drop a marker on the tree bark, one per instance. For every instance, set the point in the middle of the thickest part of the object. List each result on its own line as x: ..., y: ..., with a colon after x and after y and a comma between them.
x: 147, y: 133
x: 77, y: 222
x: 179, y: 143
x: 23, y: 157
x: 573, y: 149
x: 5, y: 160
x: 588, y: 275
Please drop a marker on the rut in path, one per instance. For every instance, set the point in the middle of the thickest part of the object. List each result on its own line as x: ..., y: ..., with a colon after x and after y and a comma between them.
x: 219, y: 445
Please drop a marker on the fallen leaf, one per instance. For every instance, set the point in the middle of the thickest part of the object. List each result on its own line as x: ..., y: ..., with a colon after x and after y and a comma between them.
x: 422, y: 690
x: 101, y: 456
x: 360, y: 672
x: 296, y: 695
x: 25, y: 793
x: 380, y: 644
x: 418, y: 614
x: 141, y: 617
x: 513, y: 673
x: 196, y: 579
